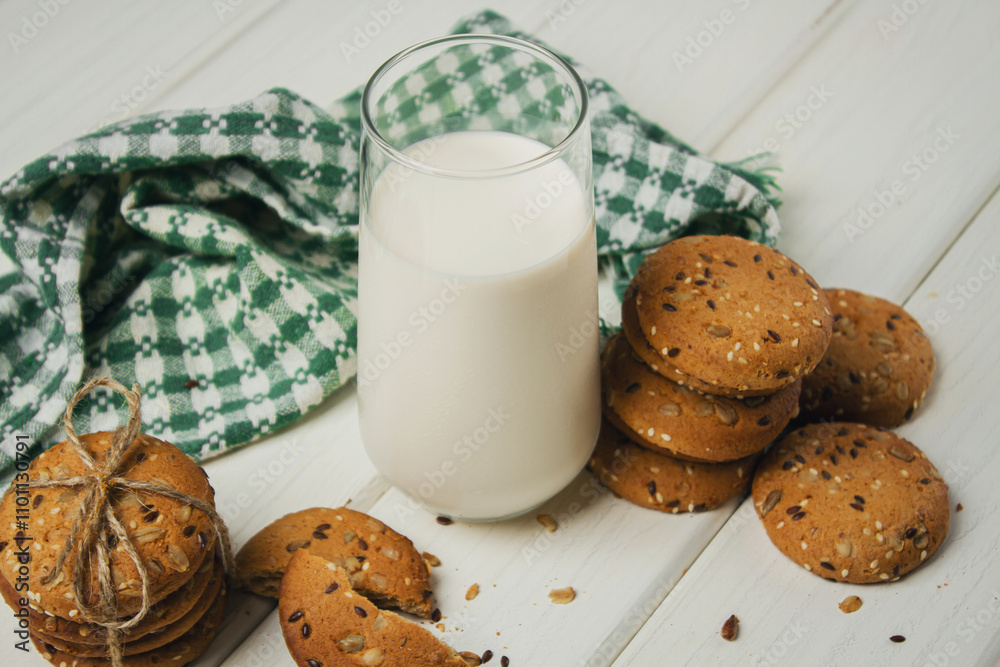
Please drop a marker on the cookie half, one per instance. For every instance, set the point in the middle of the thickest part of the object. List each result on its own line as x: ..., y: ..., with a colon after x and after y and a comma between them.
x: 661, y: 482
x: 326, y: 622
x: 676, y: 420
x: 735, y: 314
x: 393, y: 573
x: 878, y: 366
x: 851, y: 503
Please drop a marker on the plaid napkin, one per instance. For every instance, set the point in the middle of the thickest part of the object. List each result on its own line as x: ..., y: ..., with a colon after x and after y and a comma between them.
x: 210, y: 255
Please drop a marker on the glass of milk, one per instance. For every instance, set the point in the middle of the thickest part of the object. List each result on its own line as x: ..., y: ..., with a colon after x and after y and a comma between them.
x: 478, y: 379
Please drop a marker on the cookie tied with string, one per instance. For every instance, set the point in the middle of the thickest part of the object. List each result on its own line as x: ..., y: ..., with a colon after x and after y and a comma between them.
x: 101, y: 528
x: 171, y: 537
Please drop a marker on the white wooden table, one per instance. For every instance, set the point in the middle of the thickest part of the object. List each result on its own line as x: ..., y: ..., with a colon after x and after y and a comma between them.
x: 855, y: 98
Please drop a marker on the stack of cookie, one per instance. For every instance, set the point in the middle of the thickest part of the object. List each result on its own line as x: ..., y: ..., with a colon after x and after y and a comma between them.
x: 175, y: 542
x: 716, y: 333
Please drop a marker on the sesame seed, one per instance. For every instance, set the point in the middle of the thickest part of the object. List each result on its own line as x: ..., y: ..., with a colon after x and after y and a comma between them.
x: 665, y: 437
x: 651, y: 432
x: 795, y: 342
x: 817, y: 323
x: 804, y: 546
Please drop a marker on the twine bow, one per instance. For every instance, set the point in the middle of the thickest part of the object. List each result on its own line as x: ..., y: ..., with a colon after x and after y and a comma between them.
x: 97, y: 520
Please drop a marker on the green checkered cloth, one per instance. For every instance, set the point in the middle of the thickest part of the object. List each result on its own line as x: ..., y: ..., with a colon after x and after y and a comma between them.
x: 210, y: 255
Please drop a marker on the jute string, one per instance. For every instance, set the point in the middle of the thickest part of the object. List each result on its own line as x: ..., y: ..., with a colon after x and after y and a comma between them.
x: 97, y: 520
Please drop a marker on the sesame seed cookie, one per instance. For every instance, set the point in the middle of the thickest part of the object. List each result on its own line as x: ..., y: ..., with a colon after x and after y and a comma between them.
x: 681, y: 422
x: 735, y: 314
x: 851, y: 503
x: 171, y: 537
x: 151, y: 640
x: 653, y: 359
x: 878, y: 366
x: 326, y: 622
x: 383, y: 565
x: 661, y: 482
x: 165, y: 612
x: 177, y: 653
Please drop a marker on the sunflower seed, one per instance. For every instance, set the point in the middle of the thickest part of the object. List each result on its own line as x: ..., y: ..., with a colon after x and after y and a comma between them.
x: 704, y: 408
x: 148, y: 534
x: 843, y: 545
x: 901, y: 454
x: 726, y: 413
x: 379, y: 582
x: 670, y: 409
x: 176, y: 558
x: 850, y: 604
x: 183, y: 513
x: 352, y: 643
x: 718, y: 330
x: 547, y: 521
x: 730, y: 628
x: 380, y: 622
x: 902, y: 391
x: 562, y: 595
x: 772, y: 499
x: 297, y: 544
x: 373, y: 656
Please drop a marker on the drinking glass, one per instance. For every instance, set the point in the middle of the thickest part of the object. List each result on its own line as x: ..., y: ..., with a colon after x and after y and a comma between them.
x: 478, y: 376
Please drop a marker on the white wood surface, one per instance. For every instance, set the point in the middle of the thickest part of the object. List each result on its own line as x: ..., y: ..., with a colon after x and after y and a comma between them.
x: 638, y: 602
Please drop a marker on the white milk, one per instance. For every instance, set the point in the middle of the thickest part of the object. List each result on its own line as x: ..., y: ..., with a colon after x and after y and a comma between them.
x: 478, y: 380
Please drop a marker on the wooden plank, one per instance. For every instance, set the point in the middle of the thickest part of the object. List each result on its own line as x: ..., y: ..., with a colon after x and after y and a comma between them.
x: 948, y: 608
x: 620, y: 561
x: 314, y: 48
x: 694, y: 68
x: 895, y: 130
x: 69, y: 69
